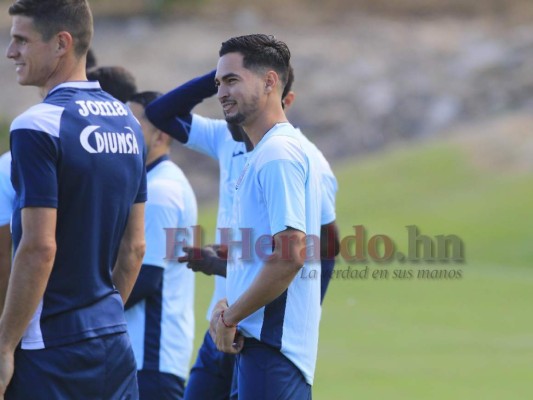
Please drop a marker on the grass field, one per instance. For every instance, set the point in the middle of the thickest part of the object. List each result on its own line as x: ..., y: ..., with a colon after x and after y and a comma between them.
x: 416, y: 338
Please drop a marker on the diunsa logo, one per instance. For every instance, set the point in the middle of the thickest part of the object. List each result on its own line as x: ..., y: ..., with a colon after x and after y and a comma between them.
x: 109, y: 142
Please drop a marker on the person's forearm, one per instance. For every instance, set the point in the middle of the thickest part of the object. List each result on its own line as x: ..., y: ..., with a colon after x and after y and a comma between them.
x: 130, y: 253
x: 181, y: 100
x: 178, y: 103
x: 127, y: 268
x: 273, y: 279
x: 31, y: 270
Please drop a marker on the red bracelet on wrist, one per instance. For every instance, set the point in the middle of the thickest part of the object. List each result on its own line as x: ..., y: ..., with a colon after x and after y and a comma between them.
x: 224, y: 322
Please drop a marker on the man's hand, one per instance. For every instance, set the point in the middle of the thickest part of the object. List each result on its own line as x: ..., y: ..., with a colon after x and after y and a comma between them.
x: 221, y: 250
x: 227, y: 339
x: 215, y: 315
x: 206, y: 260
x: 7, y: 361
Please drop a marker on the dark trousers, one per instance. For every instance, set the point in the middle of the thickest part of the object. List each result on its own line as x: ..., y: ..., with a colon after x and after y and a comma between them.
x: 102, y: 368
x: 264, y: 373
x: 211, y: 374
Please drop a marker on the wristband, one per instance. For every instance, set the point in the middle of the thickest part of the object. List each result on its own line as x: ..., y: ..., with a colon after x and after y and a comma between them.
x: 224, y: 322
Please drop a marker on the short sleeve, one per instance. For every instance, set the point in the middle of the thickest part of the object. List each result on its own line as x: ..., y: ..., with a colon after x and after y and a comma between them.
x: 207, y: 135
x: 34, y: 168
x: 142, y: 194
x: 283, y: 187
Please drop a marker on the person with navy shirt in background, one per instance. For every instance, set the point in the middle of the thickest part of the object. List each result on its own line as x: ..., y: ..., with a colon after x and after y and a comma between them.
x: 160, y: 310
x: 78, y: 223
x: 271, y: 316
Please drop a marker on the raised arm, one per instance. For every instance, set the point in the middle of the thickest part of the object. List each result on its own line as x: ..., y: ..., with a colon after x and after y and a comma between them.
x: 172, y: 112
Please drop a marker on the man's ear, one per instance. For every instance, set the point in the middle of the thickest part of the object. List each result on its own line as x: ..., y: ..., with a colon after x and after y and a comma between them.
x: 288, y: 100
x: 64, y: 42
x: 271, y: 80
x: 163, y: 138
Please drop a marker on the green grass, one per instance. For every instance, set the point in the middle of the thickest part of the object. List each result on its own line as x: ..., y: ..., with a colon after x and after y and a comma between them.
x: 427, y: 339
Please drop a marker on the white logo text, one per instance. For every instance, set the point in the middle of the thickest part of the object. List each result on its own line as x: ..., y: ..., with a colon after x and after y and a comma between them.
x: 109, y: 142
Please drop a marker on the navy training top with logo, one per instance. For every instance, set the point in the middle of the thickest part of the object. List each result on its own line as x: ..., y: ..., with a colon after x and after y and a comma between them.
x: 80, y: 151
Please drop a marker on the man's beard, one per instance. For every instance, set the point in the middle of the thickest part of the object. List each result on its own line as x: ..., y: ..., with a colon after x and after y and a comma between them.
x: 247, y: 109
x: 236, y: 119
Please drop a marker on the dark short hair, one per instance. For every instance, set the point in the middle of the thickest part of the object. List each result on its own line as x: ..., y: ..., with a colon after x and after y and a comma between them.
x: 117, y: 81
x: 145, y: 98
x: 53, y: 16
x: 260, y: 51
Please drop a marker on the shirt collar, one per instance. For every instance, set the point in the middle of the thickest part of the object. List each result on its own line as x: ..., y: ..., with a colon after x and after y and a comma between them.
x: 156, y: 162
x: 77, y: 85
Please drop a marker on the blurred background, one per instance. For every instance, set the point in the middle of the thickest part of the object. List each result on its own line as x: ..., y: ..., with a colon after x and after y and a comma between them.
x: 424, y: 108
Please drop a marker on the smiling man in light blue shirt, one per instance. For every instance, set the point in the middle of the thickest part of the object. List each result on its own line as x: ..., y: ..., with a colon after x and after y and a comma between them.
x: 272, y: 314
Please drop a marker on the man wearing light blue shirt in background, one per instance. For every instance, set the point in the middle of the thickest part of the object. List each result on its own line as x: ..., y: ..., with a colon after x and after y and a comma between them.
x: 160, y: 310
x: 211, y: 375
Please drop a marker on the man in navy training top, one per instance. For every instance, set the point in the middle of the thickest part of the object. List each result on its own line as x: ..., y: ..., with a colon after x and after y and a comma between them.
x: 160, y: 310
x: 78, y: 223
x: 117, y: 81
